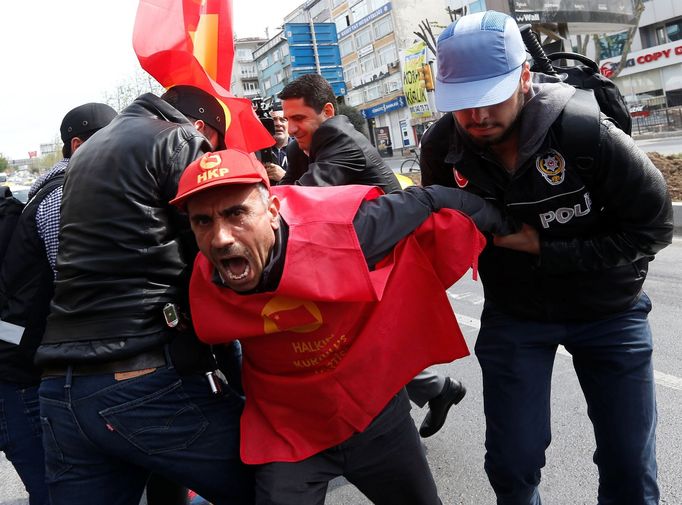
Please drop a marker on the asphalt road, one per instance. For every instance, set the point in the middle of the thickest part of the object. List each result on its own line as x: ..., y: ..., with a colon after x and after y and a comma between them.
x: 570, y: 477
x: 665, y: 145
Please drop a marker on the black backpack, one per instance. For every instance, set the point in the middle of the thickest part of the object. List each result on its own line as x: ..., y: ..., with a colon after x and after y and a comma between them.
x: 10, y: 210
x: 585, y: 75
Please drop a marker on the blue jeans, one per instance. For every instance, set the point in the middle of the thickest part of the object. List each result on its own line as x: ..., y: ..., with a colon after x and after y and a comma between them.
x: 103, y: 437
x: 612, y: 359
x: 20, y: 438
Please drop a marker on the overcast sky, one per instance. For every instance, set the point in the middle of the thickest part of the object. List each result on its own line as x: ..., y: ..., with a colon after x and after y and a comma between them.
x: 58, y: 54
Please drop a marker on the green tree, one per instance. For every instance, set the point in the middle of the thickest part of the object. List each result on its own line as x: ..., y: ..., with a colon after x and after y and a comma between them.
x: 354, y: 116
x: 4, y: 163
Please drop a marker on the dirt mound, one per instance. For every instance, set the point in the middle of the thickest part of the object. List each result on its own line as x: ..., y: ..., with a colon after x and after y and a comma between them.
x: 670, y: 166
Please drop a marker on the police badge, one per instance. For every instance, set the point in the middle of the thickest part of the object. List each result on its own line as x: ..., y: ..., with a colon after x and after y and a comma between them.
x: 552, y: 166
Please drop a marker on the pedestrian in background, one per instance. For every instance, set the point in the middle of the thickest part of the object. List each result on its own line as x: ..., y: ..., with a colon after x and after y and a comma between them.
x: 26, y: 287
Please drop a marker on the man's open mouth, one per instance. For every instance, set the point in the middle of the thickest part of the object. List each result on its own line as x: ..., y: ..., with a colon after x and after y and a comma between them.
x: 237, y: 268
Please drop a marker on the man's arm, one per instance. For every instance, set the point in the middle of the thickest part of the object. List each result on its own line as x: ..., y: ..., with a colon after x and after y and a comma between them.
x: 297, y: 164
x: 381, y: 223
x: 275, y: 172
x: 338, y: 160
x: 635, y: 203
x: 434, y: 148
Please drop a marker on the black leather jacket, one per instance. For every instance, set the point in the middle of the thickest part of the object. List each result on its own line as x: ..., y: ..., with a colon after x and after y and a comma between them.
x: 124, y: 251
x: 597, y: 236
x: 339, y: 154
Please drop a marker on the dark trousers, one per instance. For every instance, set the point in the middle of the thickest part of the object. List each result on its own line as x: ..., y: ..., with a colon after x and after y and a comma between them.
x: 20, y: 438
x: 386, y: 462
x: 104, y: 437
x: 612, y: 359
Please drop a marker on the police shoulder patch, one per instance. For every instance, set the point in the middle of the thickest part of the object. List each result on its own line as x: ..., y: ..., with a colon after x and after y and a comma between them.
x: 461, y: 181
x: 552, y: 166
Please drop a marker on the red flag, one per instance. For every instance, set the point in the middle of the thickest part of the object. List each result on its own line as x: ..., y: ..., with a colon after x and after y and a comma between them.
x: 190, y: 42
x: 33, y: 154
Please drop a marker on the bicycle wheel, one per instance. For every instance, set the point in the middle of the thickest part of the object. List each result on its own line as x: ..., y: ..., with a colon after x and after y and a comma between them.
x: 409, y: 165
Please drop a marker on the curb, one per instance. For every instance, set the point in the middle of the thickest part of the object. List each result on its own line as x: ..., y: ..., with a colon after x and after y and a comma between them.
x: 656, y: 135
x: 677, y: 218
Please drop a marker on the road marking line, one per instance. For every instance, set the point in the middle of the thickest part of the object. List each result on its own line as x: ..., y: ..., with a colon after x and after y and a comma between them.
x: 662, y: 379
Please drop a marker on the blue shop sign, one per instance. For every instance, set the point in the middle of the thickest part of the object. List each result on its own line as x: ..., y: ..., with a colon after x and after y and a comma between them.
x: 362, y: 22
x: 383, y: 108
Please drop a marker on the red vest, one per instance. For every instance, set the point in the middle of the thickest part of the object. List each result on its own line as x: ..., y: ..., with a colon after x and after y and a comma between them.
x: 335, y: 341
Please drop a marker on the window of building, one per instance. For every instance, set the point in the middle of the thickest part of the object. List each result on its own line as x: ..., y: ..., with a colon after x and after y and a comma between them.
x: 244, y: 54
x: 342, y: 22
x: 672, y: 84
x: 612, y: 45
x: 368, y: 64
x: 661, y: 33
x: 363, y: 37
x: 387, y: 54
x: 383, y: 27
x: 478, y: 6
x: 372, y: 92
x: 350, y: 71
x: 264, y: 63
x: 336, y: 3
x: 354, y: 98
x: 285, y: 50
x: 674, y: 30
x: 359, y: 10
x: 642, y: 88
x: 250, y: 86
x: 267, y: 84
x: 319, y: 12
x: 346, y: 46
x: 393, y: 83
x: 278, y: 77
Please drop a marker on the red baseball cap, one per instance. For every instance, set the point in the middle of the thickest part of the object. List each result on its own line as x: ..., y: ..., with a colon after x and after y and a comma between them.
x: 231, y: 166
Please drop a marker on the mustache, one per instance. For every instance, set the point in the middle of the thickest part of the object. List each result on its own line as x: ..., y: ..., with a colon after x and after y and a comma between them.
x: 231, y: 251
x: 484, y: 124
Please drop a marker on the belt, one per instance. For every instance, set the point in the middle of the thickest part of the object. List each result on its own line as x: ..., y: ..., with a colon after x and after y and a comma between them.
x: 140, y: 362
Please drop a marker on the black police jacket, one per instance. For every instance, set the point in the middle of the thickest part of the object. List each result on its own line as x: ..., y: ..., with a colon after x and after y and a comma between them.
x: 339, y: 154
x: 598, y: 231
x: 124, y: 251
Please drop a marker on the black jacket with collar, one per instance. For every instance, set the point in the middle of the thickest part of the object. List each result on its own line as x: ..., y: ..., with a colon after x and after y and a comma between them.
x: 339, y: 154
x: 597, y: 236
x: 124, y: 251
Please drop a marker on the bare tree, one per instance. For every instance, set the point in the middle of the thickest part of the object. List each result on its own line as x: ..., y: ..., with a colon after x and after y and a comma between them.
x: 639, y: 8
x: 128, y: 90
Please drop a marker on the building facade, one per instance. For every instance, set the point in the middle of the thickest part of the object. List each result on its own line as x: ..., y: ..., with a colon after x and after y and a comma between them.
x: 245, y: 75
x: 652, y: 76
x: 273, y: 62
x: 373, y: 35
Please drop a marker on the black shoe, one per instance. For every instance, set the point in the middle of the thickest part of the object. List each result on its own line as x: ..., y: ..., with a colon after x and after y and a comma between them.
x: 452, y: 394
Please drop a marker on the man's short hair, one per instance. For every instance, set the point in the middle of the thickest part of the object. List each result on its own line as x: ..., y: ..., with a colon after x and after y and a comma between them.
x: 313, y: 88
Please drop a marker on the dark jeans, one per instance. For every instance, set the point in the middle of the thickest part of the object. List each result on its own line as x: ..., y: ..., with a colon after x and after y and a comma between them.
x: 20, y: 438
x: 612, y: 359
x: 386, y: 462
x: 103, y: 437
